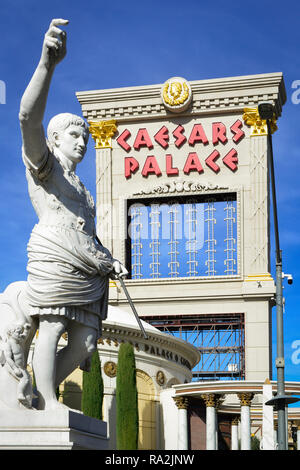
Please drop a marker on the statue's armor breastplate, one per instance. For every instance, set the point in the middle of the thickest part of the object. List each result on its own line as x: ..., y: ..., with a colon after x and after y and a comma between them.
x: 60, y: 199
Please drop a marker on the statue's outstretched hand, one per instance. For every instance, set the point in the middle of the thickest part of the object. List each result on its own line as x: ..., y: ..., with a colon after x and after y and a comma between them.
x: 54, y: 46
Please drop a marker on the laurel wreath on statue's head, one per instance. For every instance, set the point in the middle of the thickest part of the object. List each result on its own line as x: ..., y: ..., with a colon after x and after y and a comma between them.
x: 172, y: 100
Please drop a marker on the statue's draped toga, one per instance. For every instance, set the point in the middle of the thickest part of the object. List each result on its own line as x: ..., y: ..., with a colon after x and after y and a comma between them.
x: 64, y: 261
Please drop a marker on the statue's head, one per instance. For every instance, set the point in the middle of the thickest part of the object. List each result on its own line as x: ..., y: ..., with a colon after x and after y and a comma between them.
x: 69, y: 133
x: 15, y: 330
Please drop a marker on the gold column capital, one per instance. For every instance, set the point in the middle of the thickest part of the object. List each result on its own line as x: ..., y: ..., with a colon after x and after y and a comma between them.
x: 181, y: 402
x: 258, y: 126
x: 245, y: 398
x: 235, y: 421
x: 210, y: 399
x: 102, y: 132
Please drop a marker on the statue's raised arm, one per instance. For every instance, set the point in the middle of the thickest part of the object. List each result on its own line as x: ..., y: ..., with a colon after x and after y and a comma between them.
x: 34, y: 100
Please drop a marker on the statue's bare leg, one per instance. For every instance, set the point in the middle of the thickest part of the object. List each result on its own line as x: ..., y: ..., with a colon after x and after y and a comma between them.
x: 51, y: 327
x: 81, y: 345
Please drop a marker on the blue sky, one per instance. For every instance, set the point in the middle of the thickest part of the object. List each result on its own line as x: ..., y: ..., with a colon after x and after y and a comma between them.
x: 138, y: 43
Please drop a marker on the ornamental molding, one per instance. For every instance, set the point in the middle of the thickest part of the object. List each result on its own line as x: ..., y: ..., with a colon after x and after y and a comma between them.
x: 116, y: 334
x: 224, y: 95
x: 258, y: 126
x: 180, y: 186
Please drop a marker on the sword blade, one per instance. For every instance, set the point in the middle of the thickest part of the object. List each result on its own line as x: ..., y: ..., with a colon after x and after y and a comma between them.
x: 132, y: 306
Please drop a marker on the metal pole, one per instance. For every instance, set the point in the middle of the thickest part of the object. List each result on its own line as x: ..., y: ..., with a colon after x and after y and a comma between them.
x: 279, y: 310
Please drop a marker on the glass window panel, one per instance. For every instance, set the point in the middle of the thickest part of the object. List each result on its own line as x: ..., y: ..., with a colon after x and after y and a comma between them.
x: 183, y: 238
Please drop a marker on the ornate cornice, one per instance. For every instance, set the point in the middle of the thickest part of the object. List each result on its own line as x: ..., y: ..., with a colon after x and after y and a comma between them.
x: 113, y: 334
x: 221, y: 96
x: 258, y: 125
x: 102, y: 132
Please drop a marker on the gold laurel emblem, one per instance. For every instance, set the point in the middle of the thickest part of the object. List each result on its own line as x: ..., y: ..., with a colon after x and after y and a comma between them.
x: 175, y: 93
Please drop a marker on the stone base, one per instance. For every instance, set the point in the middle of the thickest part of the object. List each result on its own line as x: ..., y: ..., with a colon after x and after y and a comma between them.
x: 51, y: 430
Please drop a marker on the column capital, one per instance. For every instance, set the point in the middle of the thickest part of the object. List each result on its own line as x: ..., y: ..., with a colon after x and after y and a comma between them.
x: 258, y: 126
x: 102, y: 132
x: 245, y: 398
x: 210, y: 399
x: 181, y: 402
x: 235, y: 421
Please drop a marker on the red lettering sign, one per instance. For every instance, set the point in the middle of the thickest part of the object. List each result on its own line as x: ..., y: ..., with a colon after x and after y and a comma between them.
x: 180, y: 138
x: 192, y: 164
x: 210, y: 161
x: 218, y: 133
x: 198, y: 135
x: 162, y: 137
x: 142, y: 140
x: 236, y: 130
x: 169, y: 166
x: 122, y: 140
x: 151, y: 166
x: 131, y: 166
x: 231, y: 160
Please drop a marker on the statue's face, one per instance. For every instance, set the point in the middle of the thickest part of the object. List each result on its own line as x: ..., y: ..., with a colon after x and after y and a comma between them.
x: 17, y: 333
x: 72, y: 142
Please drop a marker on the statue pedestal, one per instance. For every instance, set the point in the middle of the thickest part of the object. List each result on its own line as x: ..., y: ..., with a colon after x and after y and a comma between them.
x: 51, y: 430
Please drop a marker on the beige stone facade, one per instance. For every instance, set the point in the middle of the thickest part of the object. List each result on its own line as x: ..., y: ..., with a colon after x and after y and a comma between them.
x: 226, y: 110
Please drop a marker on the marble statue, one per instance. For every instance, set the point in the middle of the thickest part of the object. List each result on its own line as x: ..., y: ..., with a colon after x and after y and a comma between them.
x: 68, y: 268
x: 13, y: 362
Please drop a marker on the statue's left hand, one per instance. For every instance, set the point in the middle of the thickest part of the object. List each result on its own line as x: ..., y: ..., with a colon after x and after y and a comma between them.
x: 119, y: 270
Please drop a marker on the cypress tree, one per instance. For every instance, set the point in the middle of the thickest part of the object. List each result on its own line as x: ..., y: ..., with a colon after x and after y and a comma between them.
x: 92, y: 389
x: 126, y: 399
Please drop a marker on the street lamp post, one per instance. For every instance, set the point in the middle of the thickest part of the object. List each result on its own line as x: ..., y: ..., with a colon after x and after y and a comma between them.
x: 266, y: 111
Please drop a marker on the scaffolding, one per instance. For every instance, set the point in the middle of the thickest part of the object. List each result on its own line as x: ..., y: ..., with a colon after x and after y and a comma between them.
x: 155, y: 243
x: 136, y: 228
x: 218, y: 337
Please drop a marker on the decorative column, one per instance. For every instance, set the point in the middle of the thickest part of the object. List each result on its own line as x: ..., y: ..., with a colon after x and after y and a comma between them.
x: 245, y: 401
x: 211, y: 404
x: 235, y: 433
x: 275, y: 435
x: 268, y: 418
x: 182, y: 405
x: 257, y: 262
x: 102, y: 132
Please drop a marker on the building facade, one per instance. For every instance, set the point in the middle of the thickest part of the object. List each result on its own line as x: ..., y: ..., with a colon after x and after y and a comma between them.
x: 183, y: 201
